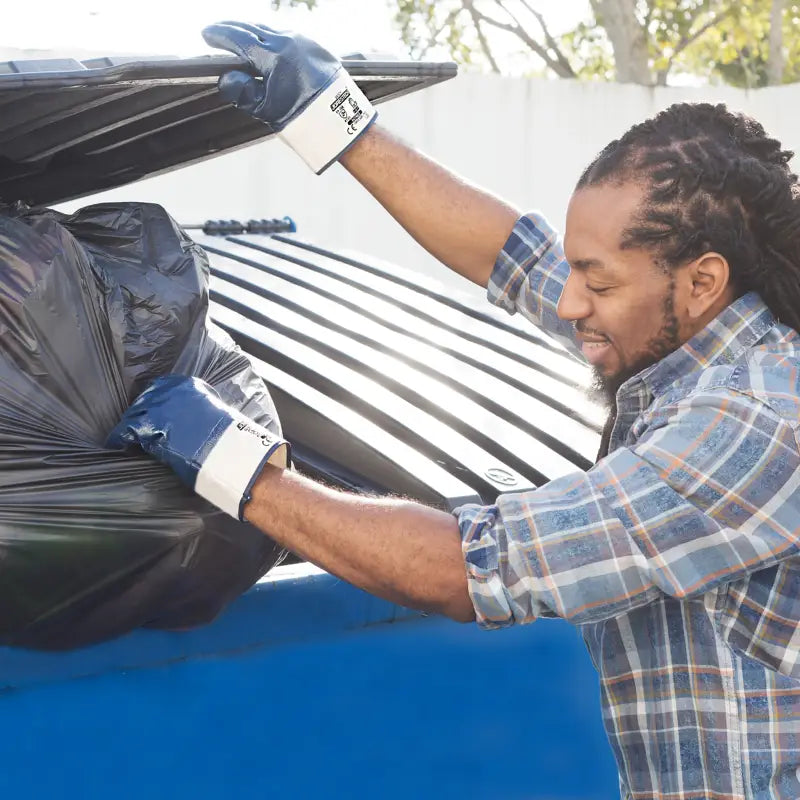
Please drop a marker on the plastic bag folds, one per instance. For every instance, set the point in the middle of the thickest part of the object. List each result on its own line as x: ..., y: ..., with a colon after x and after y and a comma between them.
x: 93, y: 542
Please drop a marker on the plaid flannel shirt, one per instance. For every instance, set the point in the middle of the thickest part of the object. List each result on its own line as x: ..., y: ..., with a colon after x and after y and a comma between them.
x: 678, y: 554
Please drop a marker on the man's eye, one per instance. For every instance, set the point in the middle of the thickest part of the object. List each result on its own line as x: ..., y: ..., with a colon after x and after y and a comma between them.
x: 598, y: 289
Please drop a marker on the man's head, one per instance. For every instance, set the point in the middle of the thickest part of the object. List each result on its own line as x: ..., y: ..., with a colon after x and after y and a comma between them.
x: 668, y: 225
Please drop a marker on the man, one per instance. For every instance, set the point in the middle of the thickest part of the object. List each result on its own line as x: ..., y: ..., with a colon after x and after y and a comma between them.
x: 677, y: 553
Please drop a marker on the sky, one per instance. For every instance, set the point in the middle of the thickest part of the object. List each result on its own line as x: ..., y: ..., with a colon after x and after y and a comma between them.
x: 170, y: 27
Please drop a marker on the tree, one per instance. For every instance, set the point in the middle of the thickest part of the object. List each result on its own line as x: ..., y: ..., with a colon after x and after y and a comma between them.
x: 742, y: 42
x: 745, y: 43
x: 775, y: 56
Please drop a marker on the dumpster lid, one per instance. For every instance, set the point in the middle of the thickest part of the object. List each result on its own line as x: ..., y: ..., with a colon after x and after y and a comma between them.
x: 72, y: 128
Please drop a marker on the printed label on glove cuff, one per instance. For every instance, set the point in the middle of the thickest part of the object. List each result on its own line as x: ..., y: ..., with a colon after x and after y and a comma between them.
x: 330, y: 124
x: 238, y: 454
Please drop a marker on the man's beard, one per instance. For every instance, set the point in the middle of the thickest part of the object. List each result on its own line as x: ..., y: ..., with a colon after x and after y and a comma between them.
x: 667, y: 340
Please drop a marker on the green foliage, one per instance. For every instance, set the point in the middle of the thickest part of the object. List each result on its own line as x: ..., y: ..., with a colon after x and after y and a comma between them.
x: 587, y: 46
x: 736, y: 52
x: 427, y: 24
x: 715, y: 40
x: 723, y: 41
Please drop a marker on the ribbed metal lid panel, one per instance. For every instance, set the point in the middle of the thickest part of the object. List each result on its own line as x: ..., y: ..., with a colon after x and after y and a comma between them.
x: 494, y: 406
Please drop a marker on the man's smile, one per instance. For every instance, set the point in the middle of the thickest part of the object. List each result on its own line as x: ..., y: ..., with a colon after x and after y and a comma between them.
x: 594, y: 346
x: 595, y: 352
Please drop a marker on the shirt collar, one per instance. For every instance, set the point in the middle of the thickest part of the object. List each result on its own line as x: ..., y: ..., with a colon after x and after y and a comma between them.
x: 737, y: 328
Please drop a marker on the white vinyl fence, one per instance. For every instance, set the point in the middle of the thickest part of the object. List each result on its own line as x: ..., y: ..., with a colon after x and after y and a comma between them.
x: 525, y: 140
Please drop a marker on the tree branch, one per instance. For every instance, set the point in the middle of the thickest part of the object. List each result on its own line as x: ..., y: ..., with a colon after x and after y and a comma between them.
x: 551, y: 42
x: 449, y: 20
x: 518, y: 31
x: 648, y: 17
x: 748, y: 73
x: 688, y: 39
x: 469, y: 5
x: 775, y: 56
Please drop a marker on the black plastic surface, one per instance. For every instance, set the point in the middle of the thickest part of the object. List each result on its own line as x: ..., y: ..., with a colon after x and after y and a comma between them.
x: 95, y: 542
x: 69, y: 129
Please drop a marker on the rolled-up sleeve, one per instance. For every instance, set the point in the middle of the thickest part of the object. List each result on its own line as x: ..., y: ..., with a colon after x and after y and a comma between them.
x: 709, y: 493
x: 529, y: 276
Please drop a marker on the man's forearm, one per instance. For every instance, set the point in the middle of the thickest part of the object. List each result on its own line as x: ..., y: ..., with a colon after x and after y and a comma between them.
x: 463, y: 226
x: 397, y: 549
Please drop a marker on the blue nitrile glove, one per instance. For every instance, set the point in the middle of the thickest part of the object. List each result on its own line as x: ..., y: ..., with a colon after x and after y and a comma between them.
x: 303, y: 92
x: 213, y: 448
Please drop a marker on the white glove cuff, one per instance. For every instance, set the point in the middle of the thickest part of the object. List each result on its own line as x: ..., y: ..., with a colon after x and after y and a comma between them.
x: 236, y: 460
x: 333, y: 120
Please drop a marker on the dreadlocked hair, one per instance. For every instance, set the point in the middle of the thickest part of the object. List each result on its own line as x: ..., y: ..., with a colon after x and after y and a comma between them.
x: 715, y: 182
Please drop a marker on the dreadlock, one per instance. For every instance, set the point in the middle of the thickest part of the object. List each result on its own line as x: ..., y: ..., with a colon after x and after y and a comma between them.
x: 716, y: 183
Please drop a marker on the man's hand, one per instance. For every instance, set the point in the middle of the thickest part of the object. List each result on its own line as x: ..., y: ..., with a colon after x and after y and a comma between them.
x: 395, y: 548
x: 303, y: 93
x: 213, y: 448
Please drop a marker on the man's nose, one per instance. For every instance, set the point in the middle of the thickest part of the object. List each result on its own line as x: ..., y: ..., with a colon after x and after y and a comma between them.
x: 574, y: 303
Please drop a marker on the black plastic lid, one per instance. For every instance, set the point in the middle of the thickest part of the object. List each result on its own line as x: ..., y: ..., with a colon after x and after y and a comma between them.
x: 71, y: 128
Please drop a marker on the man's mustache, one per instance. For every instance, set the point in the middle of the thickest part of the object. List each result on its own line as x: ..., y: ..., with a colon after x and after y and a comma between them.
x: 581, y: 327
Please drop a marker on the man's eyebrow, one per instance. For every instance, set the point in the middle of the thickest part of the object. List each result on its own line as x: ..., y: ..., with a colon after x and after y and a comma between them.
x: 582, y: 264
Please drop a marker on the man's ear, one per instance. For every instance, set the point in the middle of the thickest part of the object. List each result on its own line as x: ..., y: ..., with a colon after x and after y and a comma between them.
x: 709, y: 285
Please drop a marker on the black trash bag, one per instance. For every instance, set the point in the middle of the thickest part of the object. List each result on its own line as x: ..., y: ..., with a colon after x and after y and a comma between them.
x: 94, y: 542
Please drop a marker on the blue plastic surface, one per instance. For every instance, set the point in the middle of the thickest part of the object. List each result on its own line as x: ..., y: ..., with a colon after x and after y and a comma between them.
x: 307, y: 687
